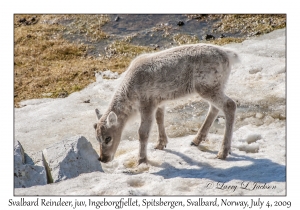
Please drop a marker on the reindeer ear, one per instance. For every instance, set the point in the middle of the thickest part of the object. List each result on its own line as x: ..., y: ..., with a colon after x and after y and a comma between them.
x: 95, y: 126
x: 112, y: 119
x: 98, y: 114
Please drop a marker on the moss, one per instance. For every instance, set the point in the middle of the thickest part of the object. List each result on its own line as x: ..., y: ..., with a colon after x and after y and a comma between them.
x: 226, y: 40
x: 254, y: 24
x: 87, y: 25
x: 185, y: 39
x: 25, y: 20
x: 45, y: 64
x: 124, y: 48
x: 245, y: 24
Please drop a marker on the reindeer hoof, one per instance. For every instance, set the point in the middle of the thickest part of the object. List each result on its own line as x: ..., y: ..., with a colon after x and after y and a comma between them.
x: 160, y: 146
x: 193, y: 144
x: 142, y: 160
x: 222, y: 155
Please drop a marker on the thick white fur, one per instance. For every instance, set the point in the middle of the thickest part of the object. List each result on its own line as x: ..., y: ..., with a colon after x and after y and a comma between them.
x: 152, y: 79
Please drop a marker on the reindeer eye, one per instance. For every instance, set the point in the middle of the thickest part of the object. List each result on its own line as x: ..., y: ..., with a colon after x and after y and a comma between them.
x: 107, y: 140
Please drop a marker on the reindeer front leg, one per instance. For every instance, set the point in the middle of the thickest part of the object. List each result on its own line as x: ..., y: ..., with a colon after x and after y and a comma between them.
x: 162, y: 137
x: 144, y: 130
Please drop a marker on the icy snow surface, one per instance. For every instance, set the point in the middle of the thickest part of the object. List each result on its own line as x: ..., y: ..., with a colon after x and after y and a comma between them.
x: 258, y: 155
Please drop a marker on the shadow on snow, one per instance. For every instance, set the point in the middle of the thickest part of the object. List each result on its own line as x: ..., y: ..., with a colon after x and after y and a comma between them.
x: 261, y: 170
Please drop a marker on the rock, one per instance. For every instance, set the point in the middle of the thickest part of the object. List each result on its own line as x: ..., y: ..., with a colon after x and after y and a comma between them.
x: 22, y: 20
x: 180, y: 23
x: 70, y: 158
x: 155, y: 46
x: 19, y: 156
x: 268, y: 120
x: 208, y: 37
x: 31, y: 21
x: 198, y: 17
x: 47, y: 94
x: 259, y: 115
x: 27, y: 175
x: 222, y: 36
x: 257, y: 33
x: 63, y: 94
x: 255, y: 70
x: 87, y: 101
x: 117, y: 18
x: 282, y: 117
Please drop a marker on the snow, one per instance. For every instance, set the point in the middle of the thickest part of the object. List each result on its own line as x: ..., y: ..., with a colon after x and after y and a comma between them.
x: 258, y: 156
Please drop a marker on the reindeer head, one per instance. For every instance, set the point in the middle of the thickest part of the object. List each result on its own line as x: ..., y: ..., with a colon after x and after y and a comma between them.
x: 108, y: 135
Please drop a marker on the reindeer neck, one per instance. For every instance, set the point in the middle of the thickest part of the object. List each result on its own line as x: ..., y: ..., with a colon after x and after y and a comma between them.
x: 121, y: 107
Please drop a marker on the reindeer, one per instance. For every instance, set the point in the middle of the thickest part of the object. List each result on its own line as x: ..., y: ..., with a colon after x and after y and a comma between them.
x: 153, y: 79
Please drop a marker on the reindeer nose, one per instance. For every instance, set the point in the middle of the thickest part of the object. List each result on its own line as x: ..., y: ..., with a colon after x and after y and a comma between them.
x: 103, y: 159
x: 100, y: 158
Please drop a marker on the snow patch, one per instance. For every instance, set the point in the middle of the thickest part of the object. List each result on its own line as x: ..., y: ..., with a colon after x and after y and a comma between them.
x: 179, y: 169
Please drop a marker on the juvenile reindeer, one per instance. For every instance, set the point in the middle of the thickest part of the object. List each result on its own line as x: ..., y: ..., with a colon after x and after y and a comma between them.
x: 152, y: 79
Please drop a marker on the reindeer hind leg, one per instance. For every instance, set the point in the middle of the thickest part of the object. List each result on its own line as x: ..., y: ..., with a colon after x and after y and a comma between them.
x: 162, y: 138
